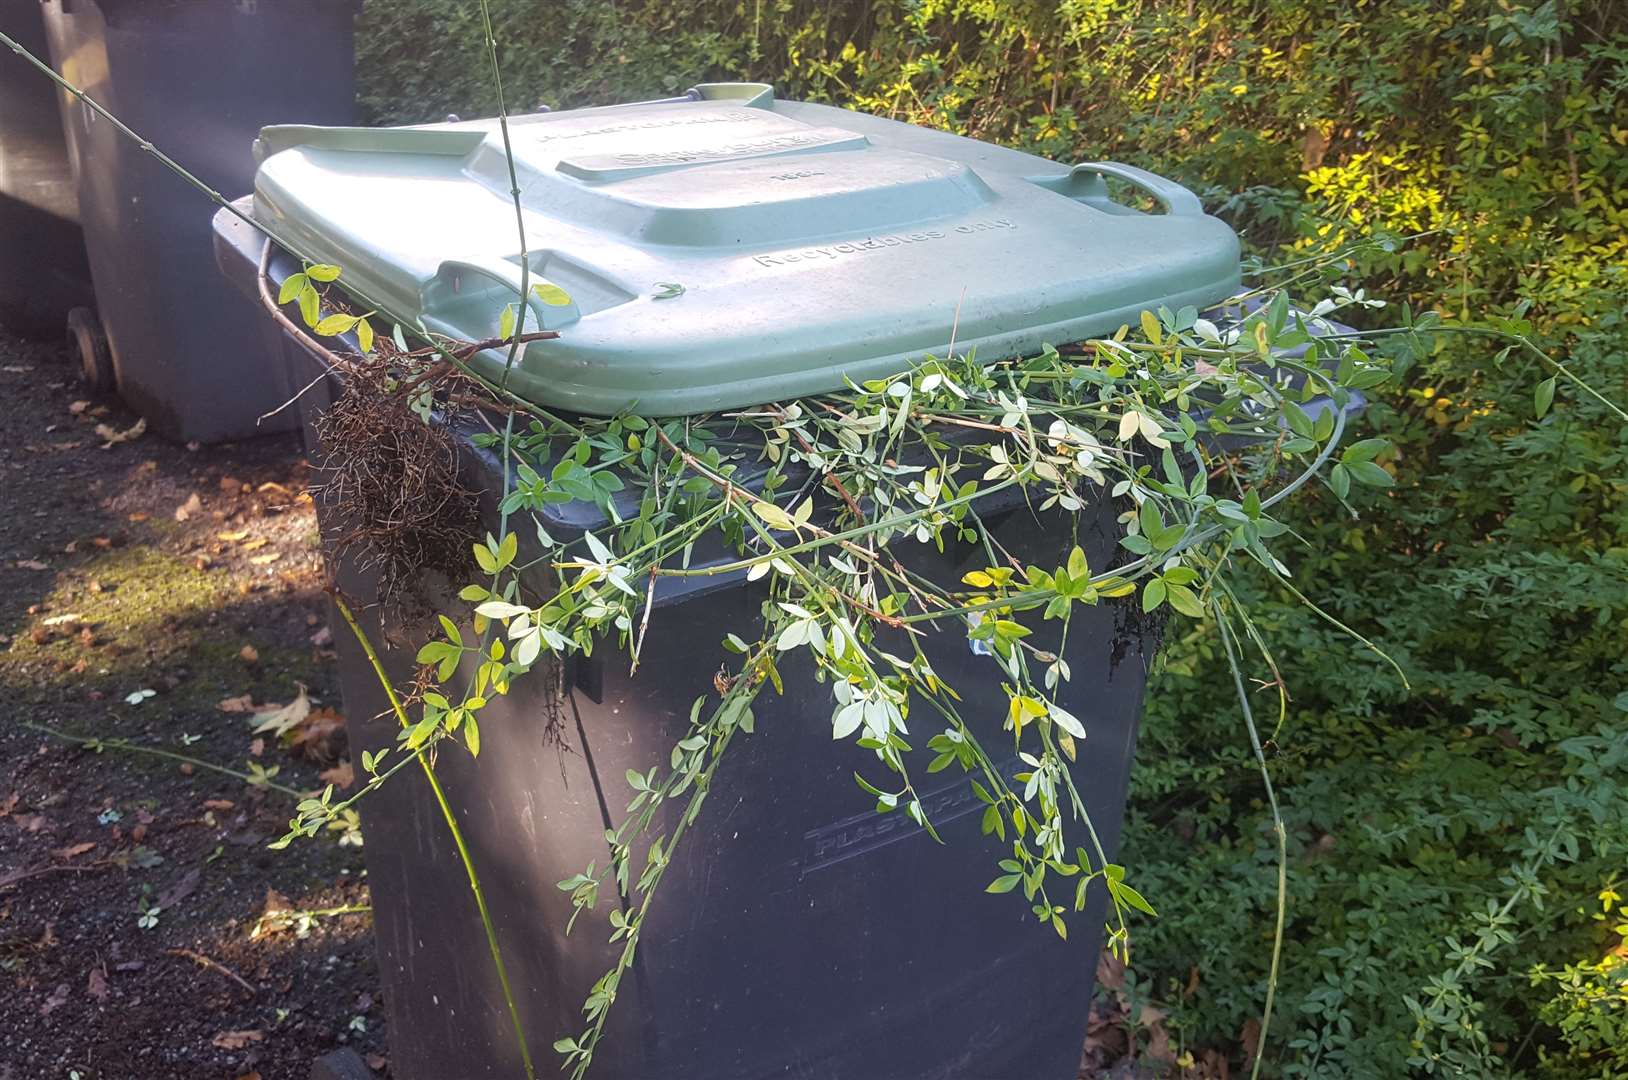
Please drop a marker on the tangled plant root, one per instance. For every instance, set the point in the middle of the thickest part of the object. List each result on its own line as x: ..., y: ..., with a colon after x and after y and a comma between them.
x: 392, y: 483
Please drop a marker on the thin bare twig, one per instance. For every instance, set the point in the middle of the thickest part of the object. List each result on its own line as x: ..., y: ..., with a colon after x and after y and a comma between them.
x: 16, y: 876
x: 214, y: 965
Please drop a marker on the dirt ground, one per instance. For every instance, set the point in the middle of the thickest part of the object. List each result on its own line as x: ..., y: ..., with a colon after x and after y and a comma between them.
x: 165, y: 596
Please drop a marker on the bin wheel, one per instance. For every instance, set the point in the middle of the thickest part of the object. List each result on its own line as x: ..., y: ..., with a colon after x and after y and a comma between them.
x: 87, y: 342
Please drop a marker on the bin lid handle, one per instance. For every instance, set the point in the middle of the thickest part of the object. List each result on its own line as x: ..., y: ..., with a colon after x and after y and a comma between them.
x: 1176, y: 199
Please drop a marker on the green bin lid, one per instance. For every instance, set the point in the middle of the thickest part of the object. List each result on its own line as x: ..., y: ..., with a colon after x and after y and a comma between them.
x: 726, y: 249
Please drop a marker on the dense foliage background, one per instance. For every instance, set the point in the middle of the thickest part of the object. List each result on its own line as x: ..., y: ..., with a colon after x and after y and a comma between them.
x: 1457, y: 847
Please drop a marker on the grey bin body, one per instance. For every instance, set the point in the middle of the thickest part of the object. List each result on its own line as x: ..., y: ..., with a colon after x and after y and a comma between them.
x: 798, y: 934
x: 200, y: 78
x: 43, y: 268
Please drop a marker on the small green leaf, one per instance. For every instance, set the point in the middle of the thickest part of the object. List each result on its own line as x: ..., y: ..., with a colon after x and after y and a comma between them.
x: 667, y: 290
x: 1339, y: 480
x: 1366, y: 450
x: 1005, y: 883
x: 1299, y: 422
x: 1153, y: 594
x: 505, y: 322
x: 323, y: 272
x: 364, y: 335
x: 292, y: 286
x: 1131, y: 898
x: 1544, y: 396
x: 1366, y: 472
x: 1186, y: 601
x: 310, y: 305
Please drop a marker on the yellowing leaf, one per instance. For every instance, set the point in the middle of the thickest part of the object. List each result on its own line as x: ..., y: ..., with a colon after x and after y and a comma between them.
x: 1152, y: 432
x: 1150, y: 328
x: 335, y: 324
x: 551, y: 294
x: 773, y: 516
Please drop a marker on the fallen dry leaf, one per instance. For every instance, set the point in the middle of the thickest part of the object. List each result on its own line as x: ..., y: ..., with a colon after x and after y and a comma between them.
x: 96, y: 984
x: 30, y: 564
x: 192, y: 506
x: 250, y: 1076
x: 270, y: 485
x: 237, y: 1040
x: 242, y: 703
x: 341, y: 776
x: 254, y: 545
x: 1158, y: 1046
x: 263, y: 560
x: 78, y: 407
x: 8, y: 804
x: 58, y: 998
x: 139, y: 515
x: 280, y: 719
x: 58, y: 620
x: 219, y: 804
x: 315, y: 736
x: 257, y: 747
x: 249, y: 654
x: 234, y: 536
x: 73, y: 851
x: 182, y: 889
x: 111, y: 437
x: 1250, y: 1039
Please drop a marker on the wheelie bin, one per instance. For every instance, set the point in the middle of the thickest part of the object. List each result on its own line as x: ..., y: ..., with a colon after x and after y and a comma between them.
x: 720, y: 252
x: 199, y: 78
x: 43, y: 270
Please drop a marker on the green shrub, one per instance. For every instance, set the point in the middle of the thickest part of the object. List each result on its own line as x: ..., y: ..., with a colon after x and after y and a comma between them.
x: 1456, y: 847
